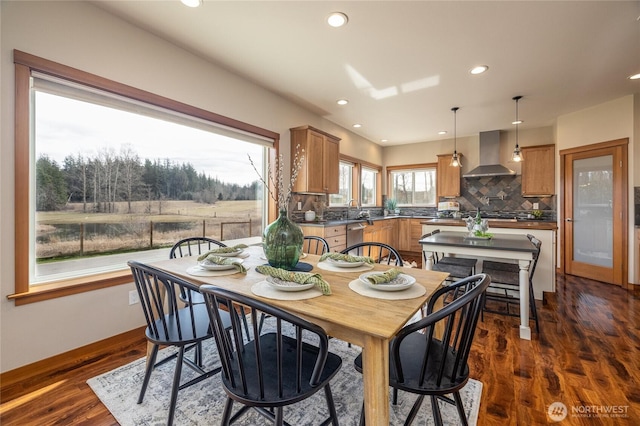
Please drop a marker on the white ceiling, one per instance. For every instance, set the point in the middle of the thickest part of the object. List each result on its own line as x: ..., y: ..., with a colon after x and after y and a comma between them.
x: 404, y: 65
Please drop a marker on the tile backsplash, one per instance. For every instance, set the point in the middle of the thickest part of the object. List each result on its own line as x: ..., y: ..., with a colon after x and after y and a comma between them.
x: 493, y: 195
x: 499, y: 194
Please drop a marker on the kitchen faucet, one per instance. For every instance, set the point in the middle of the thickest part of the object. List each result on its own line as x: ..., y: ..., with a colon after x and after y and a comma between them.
x: 358, y: 208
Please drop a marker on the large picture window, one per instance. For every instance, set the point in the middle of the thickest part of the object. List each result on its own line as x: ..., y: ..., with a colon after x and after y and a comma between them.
x: 103, y: 169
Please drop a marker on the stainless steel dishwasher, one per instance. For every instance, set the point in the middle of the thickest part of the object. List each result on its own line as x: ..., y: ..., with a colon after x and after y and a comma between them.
x: 354, y: 233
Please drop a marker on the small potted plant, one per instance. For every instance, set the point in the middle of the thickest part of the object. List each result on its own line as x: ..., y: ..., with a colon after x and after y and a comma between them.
x: 392, y: 206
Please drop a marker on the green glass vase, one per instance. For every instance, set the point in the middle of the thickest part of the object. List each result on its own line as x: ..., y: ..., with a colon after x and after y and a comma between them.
x: 282, y: 242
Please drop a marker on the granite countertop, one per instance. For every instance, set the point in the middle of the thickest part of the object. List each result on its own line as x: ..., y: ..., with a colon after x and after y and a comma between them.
x: 350, y: 221
x: 499, y: 223
x: 430, y: 220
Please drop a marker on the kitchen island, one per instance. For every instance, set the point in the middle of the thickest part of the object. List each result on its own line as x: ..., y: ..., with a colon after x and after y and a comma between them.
x: 545, y: 276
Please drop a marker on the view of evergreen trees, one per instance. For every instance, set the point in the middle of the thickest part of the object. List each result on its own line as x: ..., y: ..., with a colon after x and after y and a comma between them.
x: 111, y: 177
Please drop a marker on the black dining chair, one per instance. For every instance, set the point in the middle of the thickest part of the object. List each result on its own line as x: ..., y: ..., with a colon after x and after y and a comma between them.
x: 505, y: 285
x: 193, y: 246
x: 466, y: 262
x: 315, y: 245
x: 456, y: 267
x: 170, y: 323
x: 277, y: 367
x: 429, y: 357
x: 379, y: 252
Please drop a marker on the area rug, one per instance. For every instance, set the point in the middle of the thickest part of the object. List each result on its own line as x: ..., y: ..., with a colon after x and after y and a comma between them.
x: 202, y: 404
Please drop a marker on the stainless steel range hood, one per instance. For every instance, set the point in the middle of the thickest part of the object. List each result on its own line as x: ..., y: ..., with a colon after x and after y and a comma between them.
x: 489, y: 157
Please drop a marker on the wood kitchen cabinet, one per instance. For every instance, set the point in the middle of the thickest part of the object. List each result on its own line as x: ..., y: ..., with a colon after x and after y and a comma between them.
x: 409, y: 232
x: 382, y: 231
x: 448, y: 178
x: 538, y: 170
x: 336, y: 236
x: 320, y: 169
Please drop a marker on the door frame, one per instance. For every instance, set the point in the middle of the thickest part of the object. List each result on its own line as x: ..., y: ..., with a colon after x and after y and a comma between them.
x: 621, y: 193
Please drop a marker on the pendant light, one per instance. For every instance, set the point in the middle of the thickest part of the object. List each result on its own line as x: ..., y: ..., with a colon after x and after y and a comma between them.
x: 517, y: 154
x: 455, y: 160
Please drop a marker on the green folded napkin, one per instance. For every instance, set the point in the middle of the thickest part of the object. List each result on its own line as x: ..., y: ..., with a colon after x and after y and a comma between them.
x: 346, y: 258
x: 218, y: 260
x: 296, y: 277
x: 222, y: 250
x: 384, y: 277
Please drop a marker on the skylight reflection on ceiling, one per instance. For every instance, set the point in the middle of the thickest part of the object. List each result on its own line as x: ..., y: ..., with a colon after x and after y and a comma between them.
x: 361, y: 83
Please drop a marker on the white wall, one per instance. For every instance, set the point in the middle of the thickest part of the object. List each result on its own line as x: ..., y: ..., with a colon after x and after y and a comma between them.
x: 468, y: 146
x: 601, y: 123
x: 80, y: 35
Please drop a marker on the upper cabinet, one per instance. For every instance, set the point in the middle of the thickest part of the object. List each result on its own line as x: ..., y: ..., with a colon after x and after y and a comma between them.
x: 448, y: 178
x: 321, y: 167
x: 538, y: 170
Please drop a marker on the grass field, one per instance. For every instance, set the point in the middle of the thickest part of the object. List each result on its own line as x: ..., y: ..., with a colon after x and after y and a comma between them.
x: 74, y: 233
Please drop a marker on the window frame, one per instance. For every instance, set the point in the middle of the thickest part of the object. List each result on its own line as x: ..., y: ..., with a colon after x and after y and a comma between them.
x: 376, y: 188
x: 413, y: 168
x: 352, y: 166
x: 356, y: 179
x: 25, y: 65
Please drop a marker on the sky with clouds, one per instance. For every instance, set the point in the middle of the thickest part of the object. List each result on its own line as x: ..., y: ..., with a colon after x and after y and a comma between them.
x: 70, y: 127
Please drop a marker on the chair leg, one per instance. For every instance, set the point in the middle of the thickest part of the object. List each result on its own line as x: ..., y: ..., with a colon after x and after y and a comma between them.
x: 147, y: 374
x: 534, y: 311
x: 414, y: 410
x: 460, y: 407
x: 279, y: 417
x: 176, y: 384
x: 226, y: 414
x: 437, y: 416
x: 197, y: 359
x: 362, y: 416
x: 395, y: 396
x: 331, y: 405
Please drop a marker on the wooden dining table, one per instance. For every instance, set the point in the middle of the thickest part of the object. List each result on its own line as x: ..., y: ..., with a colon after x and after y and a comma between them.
x: 501, y: 246
x: 364, y: 321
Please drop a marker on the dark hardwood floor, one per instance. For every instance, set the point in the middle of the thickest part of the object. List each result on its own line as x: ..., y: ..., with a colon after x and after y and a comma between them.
x: 587, y: 357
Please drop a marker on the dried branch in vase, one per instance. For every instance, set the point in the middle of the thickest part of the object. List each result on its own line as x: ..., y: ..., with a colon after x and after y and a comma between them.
x: 281, y: 197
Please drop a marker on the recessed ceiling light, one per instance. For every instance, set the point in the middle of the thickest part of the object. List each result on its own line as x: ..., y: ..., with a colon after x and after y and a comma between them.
x: 191, y: 3
x: 337, y: 19
x: 384, y: 140
x: 342, y: 101
x: 442, y: 132
x: 517, y: 122
x: 634, y: 77
x: 479, y: 69
x: 357, y: 125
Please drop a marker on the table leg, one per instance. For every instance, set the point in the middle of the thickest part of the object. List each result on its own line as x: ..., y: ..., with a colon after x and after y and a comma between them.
x: 525, y: 330
x: 429, y: 260
x: 375, y: 366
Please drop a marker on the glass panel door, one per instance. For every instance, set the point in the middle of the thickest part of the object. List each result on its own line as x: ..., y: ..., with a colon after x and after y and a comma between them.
x: 592, y: 211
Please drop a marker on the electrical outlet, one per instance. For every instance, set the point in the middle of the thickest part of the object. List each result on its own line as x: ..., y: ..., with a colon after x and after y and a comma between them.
x: 536, y: 206
x: 133, y: 297
x: 299, y: 205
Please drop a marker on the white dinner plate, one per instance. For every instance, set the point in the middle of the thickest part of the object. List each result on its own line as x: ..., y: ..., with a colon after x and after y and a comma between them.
x: 345, y: 264
x: 401, y: 282
x: 282, y: 285
x: 205, y: 264
x: 231, y: 254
